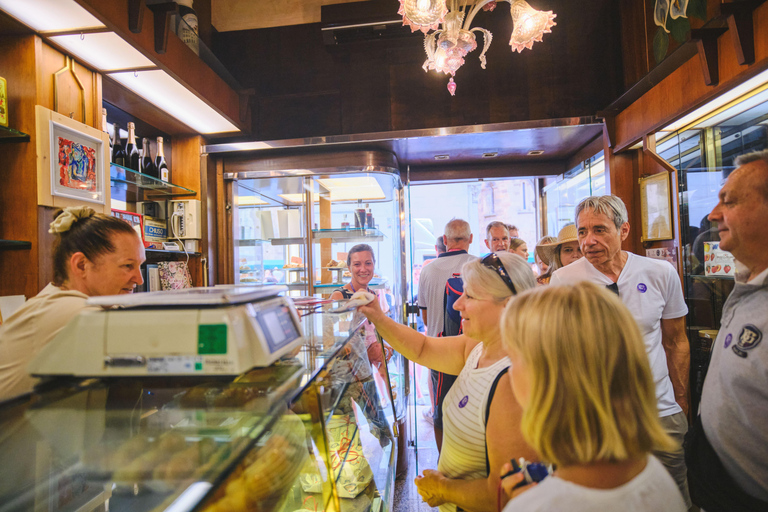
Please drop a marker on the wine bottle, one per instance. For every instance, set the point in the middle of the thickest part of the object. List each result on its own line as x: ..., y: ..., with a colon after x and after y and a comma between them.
x: 187, y: 30
x: 105, y: 129
x: 147, y: 162
x: 118, y: 154
x: 161, y: 167
x: 132, y: 159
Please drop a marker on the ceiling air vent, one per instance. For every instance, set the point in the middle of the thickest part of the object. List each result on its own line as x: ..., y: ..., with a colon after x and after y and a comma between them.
x: 362, y: 21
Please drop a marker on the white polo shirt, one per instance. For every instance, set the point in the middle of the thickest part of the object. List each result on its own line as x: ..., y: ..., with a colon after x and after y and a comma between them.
x: 651, y: 290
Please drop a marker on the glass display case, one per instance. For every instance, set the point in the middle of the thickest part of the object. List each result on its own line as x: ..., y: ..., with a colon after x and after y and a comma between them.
x: 560, y: 198
x: 314, y: 431
x: 703, y: 152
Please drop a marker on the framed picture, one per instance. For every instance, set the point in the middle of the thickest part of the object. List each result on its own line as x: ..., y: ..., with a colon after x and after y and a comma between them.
x: 656, y: 207
x: 72, y: 162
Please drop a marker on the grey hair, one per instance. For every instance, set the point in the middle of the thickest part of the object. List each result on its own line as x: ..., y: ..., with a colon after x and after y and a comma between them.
x: 360, y: 248
x: 481, y: 280
x: 611, y: 206
x: 440, y: 244
x: 752, y: 157
x: 755, y: 156
x: 495, y: 224
x: 458, y: 230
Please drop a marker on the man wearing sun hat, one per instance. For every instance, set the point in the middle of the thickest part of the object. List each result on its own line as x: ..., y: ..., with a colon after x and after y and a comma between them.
x: 652, y: 292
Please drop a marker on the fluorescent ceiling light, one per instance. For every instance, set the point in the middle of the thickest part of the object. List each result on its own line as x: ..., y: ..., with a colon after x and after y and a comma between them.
x: 347, y: 189
x: 51, y: 15
x: 104, y: 51
x: 720, y: 101
x: 158, y: 88
x: 733, y: 112
x: 250, y: 201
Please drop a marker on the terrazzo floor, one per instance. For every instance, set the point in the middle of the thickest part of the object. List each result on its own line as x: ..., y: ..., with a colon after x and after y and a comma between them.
x: 423, y: 456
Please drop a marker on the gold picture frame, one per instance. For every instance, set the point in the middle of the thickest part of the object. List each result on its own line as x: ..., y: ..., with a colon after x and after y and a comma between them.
x: 72, y: 163
x: 656, y: 207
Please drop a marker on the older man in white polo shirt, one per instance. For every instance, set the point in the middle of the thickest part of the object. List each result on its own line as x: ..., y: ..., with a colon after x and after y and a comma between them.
x: 652, y: 292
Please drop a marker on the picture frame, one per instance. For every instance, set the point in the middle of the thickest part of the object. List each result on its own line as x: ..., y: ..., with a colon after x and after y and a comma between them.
x: 72, y: 162
x: 656, y: 208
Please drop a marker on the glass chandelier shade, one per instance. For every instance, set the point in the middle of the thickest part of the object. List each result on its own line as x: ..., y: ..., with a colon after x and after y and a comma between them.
x: 424, y: 15
x: 529, y: 25
x: 450, y: 43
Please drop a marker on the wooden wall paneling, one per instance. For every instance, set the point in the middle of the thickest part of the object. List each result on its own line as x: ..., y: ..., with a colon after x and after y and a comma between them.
x: 225, y: 270
x: 623, y: 171
x: 210, y: 247
x: 70, y: 103
x: 185, y: 154
x: 18, y: 168
x: 684, y: 90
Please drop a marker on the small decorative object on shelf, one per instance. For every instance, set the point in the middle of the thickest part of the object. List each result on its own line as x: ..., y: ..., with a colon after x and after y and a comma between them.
x: 132, y: 160
x: 162, y: 168
x: 188, y: 26
x: 118, y: 153
x: 3, y: 102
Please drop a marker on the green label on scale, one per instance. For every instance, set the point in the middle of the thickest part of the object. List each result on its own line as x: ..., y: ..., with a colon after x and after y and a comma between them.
x: 212, y: 339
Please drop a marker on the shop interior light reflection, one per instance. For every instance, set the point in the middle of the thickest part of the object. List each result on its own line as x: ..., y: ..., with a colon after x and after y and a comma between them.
x: 51, y: 15
x: 160, y: 89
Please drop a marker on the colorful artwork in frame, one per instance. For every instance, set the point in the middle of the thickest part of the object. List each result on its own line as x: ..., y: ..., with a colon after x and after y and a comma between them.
x: 77, y: 164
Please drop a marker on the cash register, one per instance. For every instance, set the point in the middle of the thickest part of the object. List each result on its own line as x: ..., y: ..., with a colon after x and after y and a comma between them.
x: 193, y: 332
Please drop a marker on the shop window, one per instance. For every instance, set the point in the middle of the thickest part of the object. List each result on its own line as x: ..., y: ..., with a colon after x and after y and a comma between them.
x: 560, y: 198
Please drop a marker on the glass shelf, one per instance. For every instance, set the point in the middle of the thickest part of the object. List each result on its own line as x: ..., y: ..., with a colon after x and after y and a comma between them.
x: 149, y: 184
x: 160, y: 252
x: 251, y: 242
x: 11, y: 135
x: 353, y: 235
x: 15, y: 244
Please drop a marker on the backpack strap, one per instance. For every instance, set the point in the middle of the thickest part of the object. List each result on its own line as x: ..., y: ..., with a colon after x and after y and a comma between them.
x: 488, y: 414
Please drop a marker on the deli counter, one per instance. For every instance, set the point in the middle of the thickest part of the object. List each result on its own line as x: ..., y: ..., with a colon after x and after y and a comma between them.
x: 313, y: 431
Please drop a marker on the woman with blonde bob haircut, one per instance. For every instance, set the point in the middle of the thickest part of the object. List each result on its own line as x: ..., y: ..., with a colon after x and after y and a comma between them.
x: 581, y: 374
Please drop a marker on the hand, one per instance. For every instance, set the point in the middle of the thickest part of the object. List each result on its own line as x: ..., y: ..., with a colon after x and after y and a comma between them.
x: 511, y: 481
x: 429, y: 486
x: 372, y: 311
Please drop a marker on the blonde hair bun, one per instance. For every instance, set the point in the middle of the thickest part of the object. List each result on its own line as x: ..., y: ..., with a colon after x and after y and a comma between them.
x: 63, y: 222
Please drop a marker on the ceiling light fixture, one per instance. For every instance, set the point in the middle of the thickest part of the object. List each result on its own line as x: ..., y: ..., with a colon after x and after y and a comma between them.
x: 446, y: 47
x: 51, y: 15
x: 536, y: 152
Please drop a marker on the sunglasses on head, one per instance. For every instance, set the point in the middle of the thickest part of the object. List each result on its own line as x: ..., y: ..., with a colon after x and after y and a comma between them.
x: 493, y: 262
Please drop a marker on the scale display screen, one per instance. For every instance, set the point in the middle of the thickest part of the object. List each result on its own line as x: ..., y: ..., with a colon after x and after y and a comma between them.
x: 277, y: 325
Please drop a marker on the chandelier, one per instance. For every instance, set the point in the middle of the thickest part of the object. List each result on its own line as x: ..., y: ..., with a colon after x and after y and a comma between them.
x: 446, y: 47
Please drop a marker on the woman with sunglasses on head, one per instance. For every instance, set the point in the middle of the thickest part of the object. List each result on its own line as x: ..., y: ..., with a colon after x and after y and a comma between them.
x: 582, y: 377
x: 481, y: 420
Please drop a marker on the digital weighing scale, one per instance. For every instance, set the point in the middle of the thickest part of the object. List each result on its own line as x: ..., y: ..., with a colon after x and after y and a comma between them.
x: 198, y: 331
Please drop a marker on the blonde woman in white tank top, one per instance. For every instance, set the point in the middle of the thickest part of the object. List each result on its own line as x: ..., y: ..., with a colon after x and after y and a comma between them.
x: 463, y: 480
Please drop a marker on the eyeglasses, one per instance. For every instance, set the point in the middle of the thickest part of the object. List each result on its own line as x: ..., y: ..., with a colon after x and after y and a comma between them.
x: 493, y: 262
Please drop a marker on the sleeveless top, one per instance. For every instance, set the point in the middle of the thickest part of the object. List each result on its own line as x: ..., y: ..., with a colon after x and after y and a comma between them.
x: 464, y: 447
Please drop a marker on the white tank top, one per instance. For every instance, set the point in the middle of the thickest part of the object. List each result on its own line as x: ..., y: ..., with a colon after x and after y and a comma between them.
x: 464, y: 449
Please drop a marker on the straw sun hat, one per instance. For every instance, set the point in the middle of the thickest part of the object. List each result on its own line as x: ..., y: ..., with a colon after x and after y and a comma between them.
x: 547, y: 251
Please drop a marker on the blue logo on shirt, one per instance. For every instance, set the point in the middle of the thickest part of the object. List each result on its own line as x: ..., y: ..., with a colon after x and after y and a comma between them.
x: 728, y: 340
x: 463, y: 402
x: 642, y: 288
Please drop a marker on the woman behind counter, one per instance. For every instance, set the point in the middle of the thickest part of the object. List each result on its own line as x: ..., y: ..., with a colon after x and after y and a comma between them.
x: 583, y: 379
x: 93, y: 254
x: 475, y: 444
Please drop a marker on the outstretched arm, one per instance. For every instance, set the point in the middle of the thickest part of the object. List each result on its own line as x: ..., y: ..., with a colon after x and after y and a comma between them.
x: 442, y: 354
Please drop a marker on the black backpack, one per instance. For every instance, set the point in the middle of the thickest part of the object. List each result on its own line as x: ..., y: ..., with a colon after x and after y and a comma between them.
x: 454, y: 287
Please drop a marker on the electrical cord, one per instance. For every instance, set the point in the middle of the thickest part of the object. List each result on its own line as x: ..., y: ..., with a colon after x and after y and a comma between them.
x: 173, y: 230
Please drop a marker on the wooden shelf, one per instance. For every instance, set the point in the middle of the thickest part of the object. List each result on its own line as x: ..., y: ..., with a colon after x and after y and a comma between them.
x: 11, y: 135
x: 14, y: 245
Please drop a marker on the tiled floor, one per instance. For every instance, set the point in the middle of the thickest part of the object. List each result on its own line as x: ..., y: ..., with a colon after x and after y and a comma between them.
x: 406, y: 498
